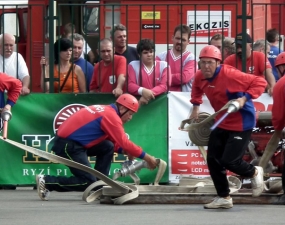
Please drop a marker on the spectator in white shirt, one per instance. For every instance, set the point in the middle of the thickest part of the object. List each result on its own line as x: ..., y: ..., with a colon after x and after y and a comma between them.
x: 13, y: 63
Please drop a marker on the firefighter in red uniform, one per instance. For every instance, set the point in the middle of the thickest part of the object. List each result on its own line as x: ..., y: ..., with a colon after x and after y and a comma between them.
x: 96, y: 130
x: 278, y: 110
x: 228, y: 142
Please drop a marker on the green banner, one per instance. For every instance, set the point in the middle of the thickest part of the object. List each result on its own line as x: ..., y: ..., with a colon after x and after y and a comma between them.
x: 37, y: 116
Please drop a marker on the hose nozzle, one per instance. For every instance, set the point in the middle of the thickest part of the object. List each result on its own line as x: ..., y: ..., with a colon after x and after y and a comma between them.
x: 130, y: 167
x: 233, y: 107
x: 6, y: 115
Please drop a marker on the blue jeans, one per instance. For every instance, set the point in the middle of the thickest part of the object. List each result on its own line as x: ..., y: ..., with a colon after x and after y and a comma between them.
x: 73, y: 151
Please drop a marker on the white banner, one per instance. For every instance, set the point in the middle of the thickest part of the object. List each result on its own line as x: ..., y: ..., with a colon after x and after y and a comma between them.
x: 184, y: 156
x: 206, y: 24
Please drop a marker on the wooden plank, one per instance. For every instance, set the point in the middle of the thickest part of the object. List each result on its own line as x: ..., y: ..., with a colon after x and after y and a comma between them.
x: 194, y: 198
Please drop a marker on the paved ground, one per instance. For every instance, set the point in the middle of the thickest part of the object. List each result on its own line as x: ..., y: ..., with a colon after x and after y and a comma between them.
x: 23, y: 207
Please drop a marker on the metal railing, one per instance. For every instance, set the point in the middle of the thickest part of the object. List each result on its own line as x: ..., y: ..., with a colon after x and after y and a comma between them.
x: 154, y: 21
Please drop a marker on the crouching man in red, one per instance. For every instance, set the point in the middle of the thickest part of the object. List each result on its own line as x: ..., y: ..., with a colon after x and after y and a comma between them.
x: 278, y: 110
x: 228, y: 142
x: 93, y: 131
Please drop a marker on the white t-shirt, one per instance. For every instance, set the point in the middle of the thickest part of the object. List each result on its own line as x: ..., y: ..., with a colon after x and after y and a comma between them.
x: 86, y: 49
x: 10, y: 67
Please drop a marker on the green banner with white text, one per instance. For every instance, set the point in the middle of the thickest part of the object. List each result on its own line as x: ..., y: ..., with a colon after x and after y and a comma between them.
x: 36, y: 117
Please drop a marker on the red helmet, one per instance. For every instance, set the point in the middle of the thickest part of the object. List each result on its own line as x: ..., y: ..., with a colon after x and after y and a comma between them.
x: 129, y: 102
x: 211, y: 51
x: 280, y: 59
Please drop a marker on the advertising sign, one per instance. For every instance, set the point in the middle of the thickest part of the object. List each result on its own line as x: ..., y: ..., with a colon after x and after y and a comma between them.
x: 184, y: 156
x: 36, y: 118
x: 205, y: 24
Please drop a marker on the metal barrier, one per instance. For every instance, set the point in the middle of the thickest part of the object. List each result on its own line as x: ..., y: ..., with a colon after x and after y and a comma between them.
x: 38, y: 26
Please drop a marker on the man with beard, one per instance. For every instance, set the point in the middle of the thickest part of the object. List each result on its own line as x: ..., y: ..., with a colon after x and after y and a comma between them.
x: 256, y: 62
x: 147, y: 77
x: 119, y: 37
x: 109, y: 74
x: 182, y: 62
x: 86, y: 66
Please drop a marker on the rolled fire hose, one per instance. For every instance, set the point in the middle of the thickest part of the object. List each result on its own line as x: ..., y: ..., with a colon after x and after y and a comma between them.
x: 199, y: 130
x: 270, y: 149
x: 128, y: 192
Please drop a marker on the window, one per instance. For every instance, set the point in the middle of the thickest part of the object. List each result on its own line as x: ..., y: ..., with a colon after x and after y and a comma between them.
x: 10, y: 24
x: 91, y: 17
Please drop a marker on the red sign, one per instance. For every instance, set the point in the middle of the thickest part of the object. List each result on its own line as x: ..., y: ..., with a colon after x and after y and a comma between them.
x: 205, y: 33
x: 188, y: 162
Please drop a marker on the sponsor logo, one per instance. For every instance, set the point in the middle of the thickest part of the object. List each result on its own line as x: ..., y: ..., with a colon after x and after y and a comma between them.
x: 238, y: 138
x: 151, y: 26
x: 251, y: 69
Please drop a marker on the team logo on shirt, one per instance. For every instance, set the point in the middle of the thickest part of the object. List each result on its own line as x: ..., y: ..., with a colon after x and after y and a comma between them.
x: 251, y: 69
x: 112, y: 79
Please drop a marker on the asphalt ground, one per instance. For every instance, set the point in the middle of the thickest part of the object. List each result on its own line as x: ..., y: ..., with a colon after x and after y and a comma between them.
x: 23, y: 207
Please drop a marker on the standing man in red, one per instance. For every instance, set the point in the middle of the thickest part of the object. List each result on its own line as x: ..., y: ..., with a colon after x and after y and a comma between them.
x: 109, y: 74
x: 148, y: 77
x: 256, y: 62
x: 182, y: 63
x: 13, y: 87
x: 228, y: 142
x: 278, y: 109
x: 96, y: 130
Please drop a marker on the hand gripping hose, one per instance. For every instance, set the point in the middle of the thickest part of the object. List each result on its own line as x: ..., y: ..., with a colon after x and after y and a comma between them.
x: 199, y: 130
x: 270, y: 149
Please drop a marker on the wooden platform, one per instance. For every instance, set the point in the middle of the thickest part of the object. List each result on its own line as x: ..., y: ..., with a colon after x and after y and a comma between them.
x: 243, y: 196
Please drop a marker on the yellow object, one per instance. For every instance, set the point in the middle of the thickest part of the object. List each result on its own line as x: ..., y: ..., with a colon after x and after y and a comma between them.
x: 150, y: 15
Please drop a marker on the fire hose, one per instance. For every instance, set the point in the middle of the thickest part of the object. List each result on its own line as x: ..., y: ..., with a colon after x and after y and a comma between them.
x: 199, y: 132
x: 128, y: 191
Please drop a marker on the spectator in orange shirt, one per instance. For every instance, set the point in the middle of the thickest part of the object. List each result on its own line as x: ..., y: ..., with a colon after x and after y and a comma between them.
x: 109, y: 74
x: 256, y: 62
x: 71, y: 77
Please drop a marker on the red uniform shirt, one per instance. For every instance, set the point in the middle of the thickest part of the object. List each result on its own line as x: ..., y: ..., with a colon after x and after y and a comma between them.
x: 104, y: 78
x: 93, y: 124
x: 278, y: 108
x: 13, y: 87
x: 256, y: 64
x: 229, y: 83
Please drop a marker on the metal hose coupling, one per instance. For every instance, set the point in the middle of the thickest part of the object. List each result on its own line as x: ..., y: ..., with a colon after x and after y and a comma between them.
x: 6, y: 115
x: 130, y: 167
x: 234, y: 106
